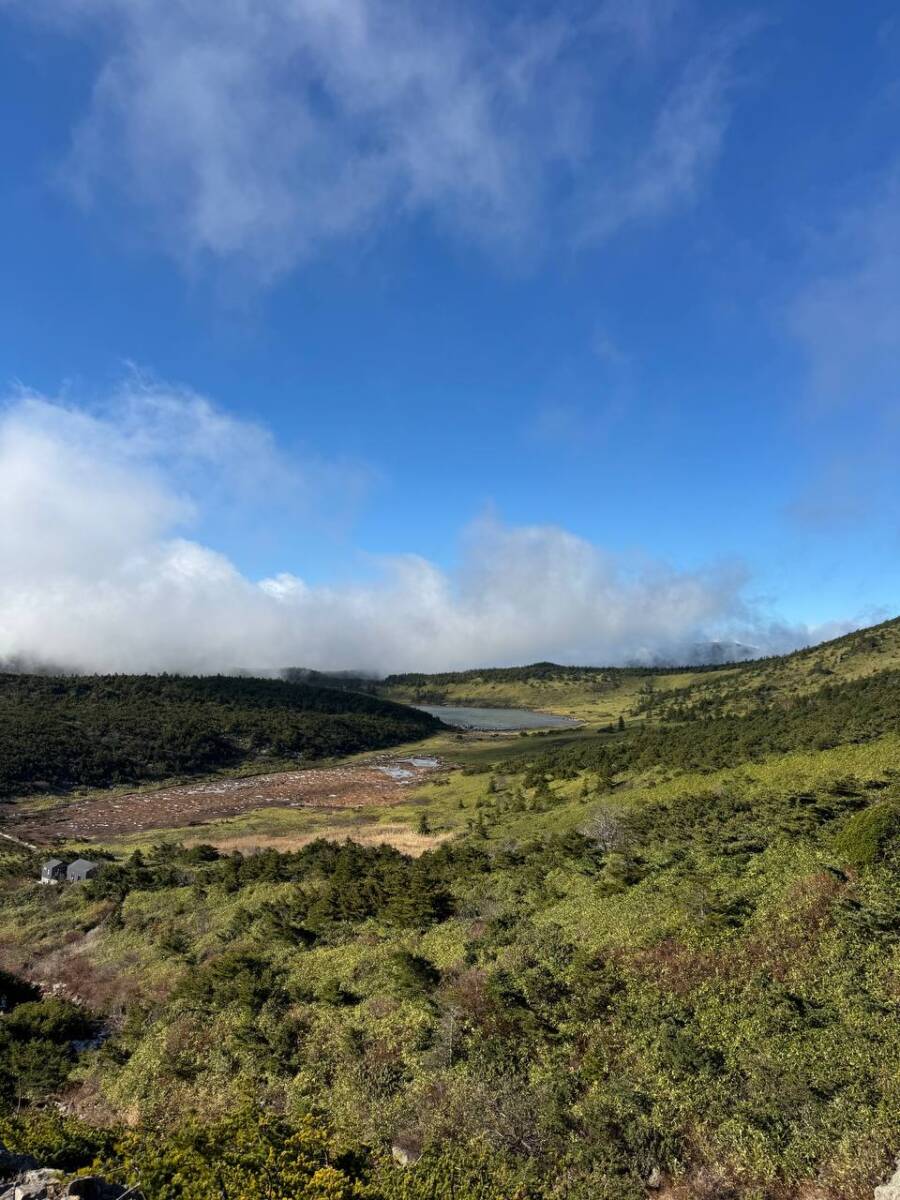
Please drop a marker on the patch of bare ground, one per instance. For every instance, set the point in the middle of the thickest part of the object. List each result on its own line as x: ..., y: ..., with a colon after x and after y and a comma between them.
x: 382, y: 781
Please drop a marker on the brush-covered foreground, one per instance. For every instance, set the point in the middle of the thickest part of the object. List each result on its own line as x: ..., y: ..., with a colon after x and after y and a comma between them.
x: 660, y: 960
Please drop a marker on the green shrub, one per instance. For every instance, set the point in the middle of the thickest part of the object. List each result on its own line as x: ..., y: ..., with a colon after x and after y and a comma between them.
x: 54, y: 1140
x: 36, y: 1051
x: 866, y: 836
x: 52, y: 1020
x: 250, y: 1155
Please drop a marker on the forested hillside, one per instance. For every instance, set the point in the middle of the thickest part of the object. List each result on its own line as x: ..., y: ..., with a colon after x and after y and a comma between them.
x: 660, y: 958
x: 694, y: 739
x: 592, y: 693
x: 64, y: 731
x: 604, y: 693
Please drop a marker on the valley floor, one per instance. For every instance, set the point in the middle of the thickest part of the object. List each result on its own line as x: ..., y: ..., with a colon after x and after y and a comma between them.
x: 368, y: 798
x: 104, y: 816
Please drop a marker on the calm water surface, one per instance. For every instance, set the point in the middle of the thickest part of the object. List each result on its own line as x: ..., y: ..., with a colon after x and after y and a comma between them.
x: 495, y: 719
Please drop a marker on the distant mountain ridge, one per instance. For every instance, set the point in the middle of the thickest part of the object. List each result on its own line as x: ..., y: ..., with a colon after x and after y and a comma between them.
x: 708, y: 654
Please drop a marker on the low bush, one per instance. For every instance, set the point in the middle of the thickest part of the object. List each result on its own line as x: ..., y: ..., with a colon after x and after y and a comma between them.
x: 870, y: 835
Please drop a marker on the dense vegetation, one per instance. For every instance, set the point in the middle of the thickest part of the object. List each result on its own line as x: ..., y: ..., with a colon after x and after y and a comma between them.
x: 60, y: 731
x: 666, y: 953
x: 836, y: 714
x: 335, y: 882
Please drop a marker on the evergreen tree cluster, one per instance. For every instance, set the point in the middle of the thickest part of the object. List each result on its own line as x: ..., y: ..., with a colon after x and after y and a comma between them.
x: 36, y: 1040
x: 336, y: 882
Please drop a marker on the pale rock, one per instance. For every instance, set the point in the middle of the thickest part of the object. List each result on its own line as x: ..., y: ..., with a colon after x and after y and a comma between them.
x: 406, y: 1152
x: 38, y: 1185
x: 891, y: 1189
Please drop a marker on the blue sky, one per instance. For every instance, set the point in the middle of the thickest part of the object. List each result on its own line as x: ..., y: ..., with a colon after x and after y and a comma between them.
x: 479, y: 286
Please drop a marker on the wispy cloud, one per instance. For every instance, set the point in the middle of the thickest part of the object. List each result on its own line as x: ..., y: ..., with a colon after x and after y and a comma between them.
x: 259, y: 135
x: 667, y: 171
x: 96, y: 507
x: 847, y: 315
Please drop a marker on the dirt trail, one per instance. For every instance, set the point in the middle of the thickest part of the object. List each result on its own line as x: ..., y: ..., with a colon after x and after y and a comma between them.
x: 93, y: 818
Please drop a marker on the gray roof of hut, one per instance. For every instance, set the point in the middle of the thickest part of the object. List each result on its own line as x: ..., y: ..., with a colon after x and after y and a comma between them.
x: 52, y: 862
x: 82, y: 864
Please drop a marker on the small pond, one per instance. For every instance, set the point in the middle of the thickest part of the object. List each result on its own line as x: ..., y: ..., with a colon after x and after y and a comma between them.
x: 396, y: 772
x: 402, y: 769
x: 495, y: 719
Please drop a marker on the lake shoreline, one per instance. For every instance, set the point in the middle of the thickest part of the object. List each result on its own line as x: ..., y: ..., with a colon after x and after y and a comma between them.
x: 487, y: 719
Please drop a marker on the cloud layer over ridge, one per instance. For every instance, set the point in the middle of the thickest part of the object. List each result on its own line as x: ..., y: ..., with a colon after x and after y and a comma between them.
x: 99, y: 571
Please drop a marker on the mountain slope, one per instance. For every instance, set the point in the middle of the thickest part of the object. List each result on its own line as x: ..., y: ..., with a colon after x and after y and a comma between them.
x: 604, y: 693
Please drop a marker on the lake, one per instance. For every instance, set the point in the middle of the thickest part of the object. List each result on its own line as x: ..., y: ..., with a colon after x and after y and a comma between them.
x: 495, y: 719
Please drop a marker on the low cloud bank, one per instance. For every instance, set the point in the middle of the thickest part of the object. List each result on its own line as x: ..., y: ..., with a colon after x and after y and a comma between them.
x: 97, y: 574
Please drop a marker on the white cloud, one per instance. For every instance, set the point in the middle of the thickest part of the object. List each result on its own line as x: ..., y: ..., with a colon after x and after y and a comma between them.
x: 260, y: 134
x: 83, y: 486
x: 97, y: 571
